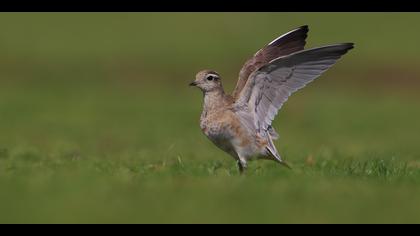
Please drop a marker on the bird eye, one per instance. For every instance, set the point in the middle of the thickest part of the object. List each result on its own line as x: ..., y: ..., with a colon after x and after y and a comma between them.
x: 210, y: 78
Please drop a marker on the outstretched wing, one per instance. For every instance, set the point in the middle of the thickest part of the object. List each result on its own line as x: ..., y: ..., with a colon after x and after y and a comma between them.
x: 285, y: 44
x: 270, y: 86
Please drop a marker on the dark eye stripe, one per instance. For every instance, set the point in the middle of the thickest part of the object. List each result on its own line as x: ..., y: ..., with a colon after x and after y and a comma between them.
x: 212, y: 77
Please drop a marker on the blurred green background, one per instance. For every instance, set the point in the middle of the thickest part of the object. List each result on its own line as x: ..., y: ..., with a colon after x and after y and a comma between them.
x: 98, y: 125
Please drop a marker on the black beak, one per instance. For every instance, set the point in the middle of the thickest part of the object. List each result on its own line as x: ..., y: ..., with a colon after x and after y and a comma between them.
x: 193, y: 84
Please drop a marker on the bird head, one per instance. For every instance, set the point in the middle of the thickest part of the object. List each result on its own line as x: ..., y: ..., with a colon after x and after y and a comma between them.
x: 207, y: 80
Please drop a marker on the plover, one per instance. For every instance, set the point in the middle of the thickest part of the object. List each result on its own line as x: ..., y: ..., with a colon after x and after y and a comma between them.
x: 240, y: 123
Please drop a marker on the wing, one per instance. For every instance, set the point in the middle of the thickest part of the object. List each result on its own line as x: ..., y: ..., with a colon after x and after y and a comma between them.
x: 270, y: 86
x: 285, y: 44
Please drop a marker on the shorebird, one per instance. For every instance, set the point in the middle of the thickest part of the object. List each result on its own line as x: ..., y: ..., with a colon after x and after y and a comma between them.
x: 240, y: 123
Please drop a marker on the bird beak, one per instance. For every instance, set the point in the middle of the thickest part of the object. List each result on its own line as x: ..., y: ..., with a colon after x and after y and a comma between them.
x: 193, y: 84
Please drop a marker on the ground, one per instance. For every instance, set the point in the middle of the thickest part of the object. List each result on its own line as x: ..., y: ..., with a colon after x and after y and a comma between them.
x: 98, y: 124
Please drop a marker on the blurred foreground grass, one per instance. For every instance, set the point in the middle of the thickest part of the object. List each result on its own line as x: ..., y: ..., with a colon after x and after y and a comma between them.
x: 97, y: 123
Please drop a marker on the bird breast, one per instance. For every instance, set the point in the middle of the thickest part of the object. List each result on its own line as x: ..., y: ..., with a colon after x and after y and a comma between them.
x: 215, y: 126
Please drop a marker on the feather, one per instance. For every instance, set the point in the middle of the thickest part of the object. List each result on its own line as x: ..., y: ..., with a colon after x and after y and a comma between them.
x: 285, y: 44
x: 268, y: 88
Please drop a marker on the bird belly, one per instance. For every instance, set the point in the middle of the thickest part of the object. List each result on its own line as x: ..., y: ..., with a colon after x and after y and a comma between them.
x: 220, y: 137
x: 233, y: 139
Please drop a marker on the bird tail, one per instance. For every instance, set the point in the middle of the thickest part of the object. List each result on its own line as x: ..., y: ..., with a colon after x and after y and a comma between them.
x: 273, y: 151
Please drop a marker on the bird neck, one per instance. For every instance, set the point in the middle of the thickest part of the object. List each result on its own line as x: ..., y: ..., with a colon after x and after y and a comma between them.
x: 213, y: 99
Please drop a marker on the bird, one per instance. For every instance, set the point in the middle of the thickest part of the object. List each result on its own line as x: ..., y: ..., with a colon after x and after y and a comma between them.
x: 240, y: 123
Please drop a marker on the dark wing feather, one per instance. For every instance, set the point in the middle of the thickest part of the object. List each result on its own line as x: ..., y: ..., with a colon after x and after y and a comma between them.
x: 285, y: 44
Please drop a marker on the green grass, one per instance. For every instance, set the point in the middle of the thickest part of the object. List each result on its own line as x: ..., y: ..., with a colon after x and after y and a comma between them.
x: 98, y: 125
x: 140, y: 157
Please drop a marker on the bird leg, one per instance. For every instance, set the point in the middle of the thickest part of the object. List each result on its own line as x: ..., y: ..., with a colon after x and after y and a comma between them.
x: 242, y: 166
